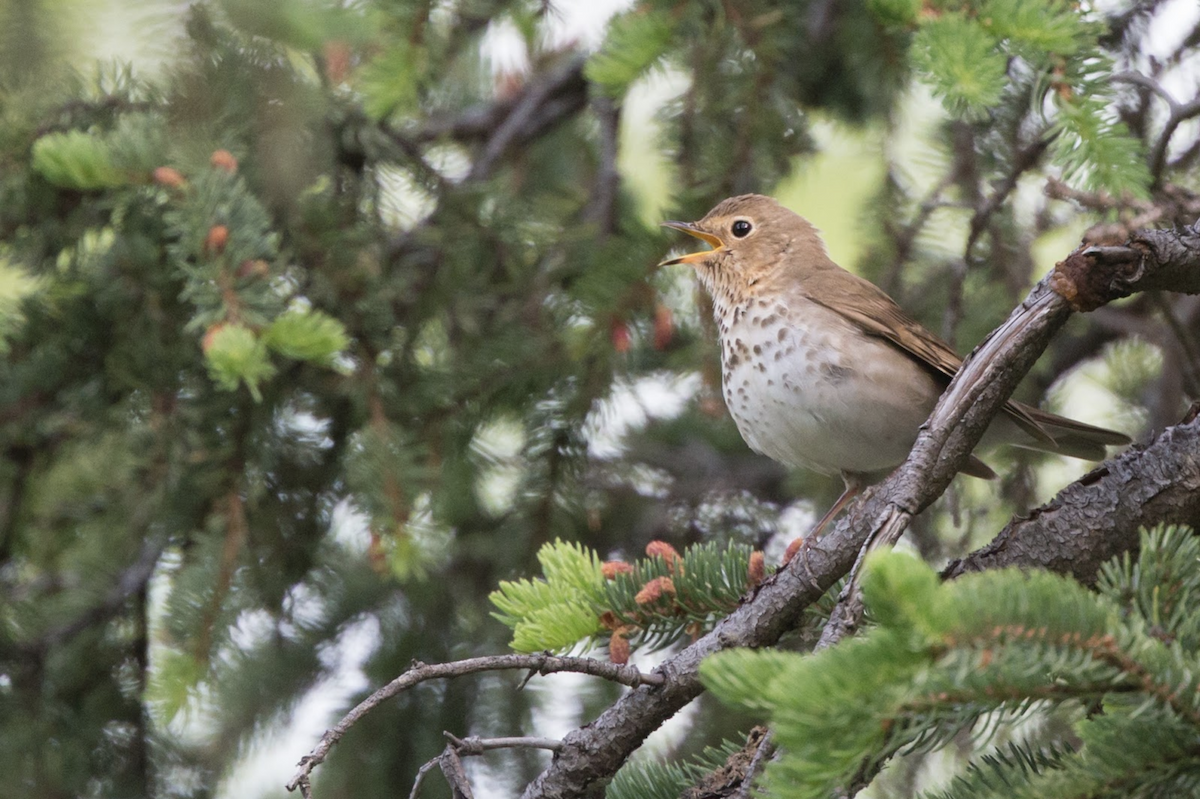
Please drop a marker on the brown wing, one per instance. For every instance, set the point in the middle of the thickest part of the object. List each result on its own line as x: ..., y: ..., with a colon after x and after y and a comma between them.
x: 866, y: 305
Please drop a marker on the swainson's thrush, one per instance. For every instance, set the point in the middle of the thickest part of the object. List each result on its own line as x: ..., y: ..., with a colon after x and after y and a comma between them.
x: 821, y: 369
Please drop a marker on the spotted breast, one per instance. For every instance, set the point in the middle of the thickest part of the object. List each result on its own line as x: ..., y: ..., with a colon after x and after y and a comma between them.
x: 807, y: 389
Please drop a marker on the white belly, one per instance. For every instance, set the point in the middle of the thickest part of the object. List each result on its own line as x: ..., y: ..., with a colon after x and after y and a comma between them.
x: 801, y: 400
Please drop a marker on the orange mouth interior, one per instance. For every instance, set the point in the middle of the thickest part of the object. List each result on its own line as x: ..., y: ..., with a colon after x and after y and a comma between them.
x: 692, y: 230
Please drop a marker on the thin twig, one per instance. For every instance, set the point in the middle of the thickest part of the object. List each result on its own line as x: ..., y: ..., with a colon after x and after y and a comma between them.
x: 481, y: 122
x: 1026, y: 158
x: 1177, y: 114
x: 420, y: 672
x: 475, y: 745
x: 1186, y: 341
x: 903, y: 239
x: 450, y: 764
x: 130, y: 581
x: 420, y: 779
x: 985, y: 208
x: 524, y: 115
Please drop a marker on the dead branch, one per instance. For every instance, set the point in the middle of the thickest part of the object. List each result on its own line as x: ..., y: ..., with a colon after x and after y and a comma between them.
x: 420, y: 672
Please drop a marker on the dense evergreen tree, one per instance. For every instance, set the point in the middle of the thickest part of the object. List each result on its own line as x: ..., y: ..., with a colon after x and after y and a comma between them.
x: 326, y: 329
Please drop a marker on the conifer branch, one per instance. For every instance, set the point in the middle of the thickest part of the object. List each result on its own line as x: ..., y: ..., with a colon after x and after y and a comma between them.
x: 1098, y: 516
x: 455, y: 774
x: 130, y: 581
x: 543, y: 101
x: 540, y: 106
x: 420, y: 672
x: 450, y: 763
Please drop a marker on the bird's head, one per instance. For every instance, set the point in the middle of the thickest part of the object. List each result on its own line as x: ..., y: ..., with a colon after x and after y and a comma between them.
x: 753, y: 239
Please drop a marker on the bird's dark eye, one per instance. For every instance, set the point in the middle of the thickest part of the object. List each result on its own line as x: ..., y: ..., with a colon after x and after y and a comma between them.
x: 742, y: 228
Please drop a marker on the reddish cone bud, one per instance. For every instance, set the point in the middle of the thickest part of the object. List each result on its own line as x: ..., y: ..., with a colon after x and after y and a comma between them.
x: 664, y: 327
x: 758, y: 568
x: 170, y: 177
x: 662, y: 549
x: 618, y: 649
x: 619, y: 332
x: 792, y: 549
x: 224, y: 160
x: 377, y: 554
x: 337, y: 60
x: 609, y: 620
x: 654, y: 590
x: 215, y: 241
x: 612, y: 568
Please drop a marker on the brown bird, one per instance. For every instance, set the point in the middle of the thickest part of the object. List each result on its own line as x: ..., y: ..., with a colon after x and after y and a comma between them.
x: 821, y: 369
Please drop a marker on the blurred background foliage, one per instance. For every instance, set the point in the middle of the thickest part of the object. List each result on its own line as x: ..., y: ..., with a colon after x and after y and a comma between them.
x: 317, y: 320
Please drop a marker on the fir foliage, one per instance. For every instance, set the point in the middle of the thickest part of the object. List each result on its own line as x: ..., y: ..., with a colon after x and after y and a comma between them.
x: 654, y: 602
x: 963, y: 63
x: 650, y: 779
x: 972, y: 54
x: 306, y: 335
x: 16, y: 285
x: 235, y: 355
x: 558, y: 612
x: 635, y: 41
x: 705, y: 584
x: 76, y: 160
x: 943, y: 655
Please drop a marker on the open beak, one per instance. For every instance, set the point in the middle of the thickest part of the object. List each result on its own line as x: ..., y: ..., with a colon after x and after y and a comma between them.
x: 692, y: 230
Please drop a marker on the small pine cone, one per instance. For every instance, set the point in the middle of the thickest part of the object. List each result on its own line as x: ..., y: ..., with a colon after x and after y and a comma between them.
x: 224, y: 160
x: 256, y: 268
x: 711, y: 406
x: 215, y: 241
x: 654, y: 590
x: 664, y: 327
x: 792, y: 549
x: 665, y: 551
x: 170, y: 177
x: 337, y: 55
x: 610, y: 569
x: 758, y: 568
x: 619, y: 332
x: 618, y: 649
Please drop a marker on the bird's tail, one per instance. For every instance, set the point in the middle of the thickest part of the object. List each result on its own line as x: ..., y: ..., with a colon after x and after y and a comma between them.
x: 1071, y: 438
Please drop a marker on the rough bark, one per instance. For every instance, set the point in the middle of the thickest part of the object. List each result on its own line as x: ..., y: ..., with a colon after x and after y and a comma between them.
x: 1098, y: 516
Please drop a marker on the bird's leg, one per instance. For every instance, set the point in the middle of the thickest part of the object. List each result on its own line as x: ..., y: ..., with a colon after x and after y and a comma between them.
x: 854, y: 487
